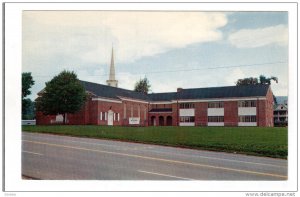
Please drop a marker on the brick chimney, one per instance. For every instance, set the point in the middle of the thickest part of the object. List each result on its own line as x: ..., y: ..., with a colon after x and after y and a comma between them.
x: 179, y: 89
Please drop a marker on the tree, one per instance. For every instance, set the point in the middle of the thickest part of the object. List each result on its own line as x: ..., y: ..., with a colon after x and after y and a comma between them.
x: 142, y: 85
x: 27, y: 83
x: 28, y: 109
x: 247, y: 81
x: 63, y: 94
x: 255, y: 81
x: 264, y: 80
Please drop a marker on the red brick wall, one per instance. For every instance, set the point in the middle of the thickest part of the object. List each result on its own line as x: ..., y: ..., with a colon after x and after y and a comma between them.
x: 265, y: 111
x: 135, y: 112
x: 81, y: 117
x: 42, y: 119
x: 201, y: 114
x: 231, y: 117
x: 165, y: 117
x: 175, y: 114
x: 105, y: 107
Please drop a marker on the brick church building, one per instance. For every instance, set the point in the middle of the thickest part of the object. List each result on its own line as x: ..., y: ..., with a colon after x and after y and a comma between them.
x: 250, y: 105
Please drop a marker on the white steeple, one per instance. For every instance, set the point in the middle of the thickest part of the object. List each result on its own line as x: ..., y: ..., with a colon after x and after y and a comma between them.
x: 112, y: 79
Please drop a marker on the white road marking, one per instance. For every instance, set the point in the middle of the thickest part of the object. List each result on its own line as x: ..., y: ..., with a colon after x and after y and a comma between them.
x: 32, y: 153
x: 190, y: 155
x: 166, y: 175
x: 222, y: 159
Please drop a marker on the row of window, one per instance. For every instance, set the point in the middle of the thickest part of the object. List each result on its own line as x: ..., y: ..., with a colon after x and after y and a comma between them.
x: 186, y: 105
x: 247, y: 103
x: 247, y: 118
x: 218, y: 119
x: 216, y: 105
x: 103, y: 116
x: 219, y: 104
x: 215, y: 118
x: 187, y: 119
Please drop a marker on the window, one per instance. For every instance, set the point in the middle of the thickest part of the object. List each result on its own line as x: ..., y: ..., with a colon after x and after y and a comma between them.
x: 103, y: 116
x: 247, y: 118
x: 216, y: 105
x: 116, y: 116
x: 215, y: 118
x: 186, y: 105
x: 247, y: 103
x: 187, y: 119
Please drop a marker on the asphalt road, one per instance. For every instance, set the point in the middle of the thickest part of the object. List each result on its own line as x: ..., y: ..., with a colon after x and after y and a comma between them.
x: 70, y: 158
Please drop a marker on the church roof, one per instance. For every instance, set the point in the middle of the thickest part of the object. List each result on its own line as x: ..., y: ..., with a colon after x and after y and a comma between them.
x: 214, y: 92
x: 185, y: 94
x: 112, y: 92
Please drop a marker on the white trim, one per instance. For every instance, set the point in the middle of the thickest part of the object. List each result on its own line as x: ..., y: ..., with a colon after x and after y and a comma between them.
x: 106, y: 100
x: 187, y: 112
x: 216, y: 124
x: 179, y: 101
x: 220, y: 99
x: 162, y: 102
x: 90, y: 93
x: 247, y: 111
x: 215, y: 111
x: 105, y: 115
x: 186, y: 124
x: 132, y: 100
x: 247, y: 124
x: 100, y: 115
x: 160, y: 112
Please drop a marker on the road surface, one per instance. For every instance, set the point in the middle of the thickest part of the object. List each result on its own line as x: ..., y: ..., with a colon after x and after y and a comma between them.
x: 55, y: 157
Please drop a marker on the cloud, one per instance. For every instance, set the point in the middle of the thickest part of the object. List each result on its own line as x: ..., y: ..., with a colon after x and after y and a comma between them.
x: 88, y: 35
x: 252, y: 38
x: 234, y: 75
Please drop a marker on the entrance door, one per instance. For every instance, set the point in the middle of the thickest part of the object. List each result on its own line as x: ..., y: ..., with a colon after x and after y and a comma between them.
x: 110, y: 117
x: 153, y: 121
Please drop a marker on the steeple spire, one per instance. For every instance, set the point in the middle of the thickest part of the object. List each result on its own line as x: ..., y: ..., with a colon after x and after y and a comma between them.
x: 112, y: 79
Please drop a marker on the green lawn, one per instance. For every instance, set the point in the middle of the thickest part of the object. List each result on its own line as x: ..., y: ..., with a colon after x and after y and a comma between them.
x: 271, y: 142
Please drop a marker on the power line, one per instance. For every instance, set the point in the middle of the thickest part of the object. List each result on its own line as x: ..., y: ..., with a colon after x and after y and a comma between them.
x: 192, y: 69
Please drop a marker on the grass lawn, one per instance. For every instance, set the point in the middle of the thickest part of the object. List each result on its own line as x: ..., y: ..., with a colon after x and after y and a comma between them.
x: 271, y: 142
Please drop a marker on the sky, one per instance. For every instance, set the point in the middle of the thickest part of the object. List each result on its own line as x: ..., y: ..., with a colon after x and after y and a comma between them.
x: 172, y: 49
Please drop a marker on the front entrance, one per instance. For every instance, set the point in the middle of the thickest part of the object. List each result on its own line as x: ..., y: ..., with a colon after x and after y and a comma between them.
x: 153, y: 121
x: 110, y: 117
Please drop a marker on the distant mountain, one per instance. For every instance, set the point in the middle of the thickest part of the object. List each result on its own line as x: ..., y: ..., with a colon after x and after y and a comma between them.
x: 282, y: 99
